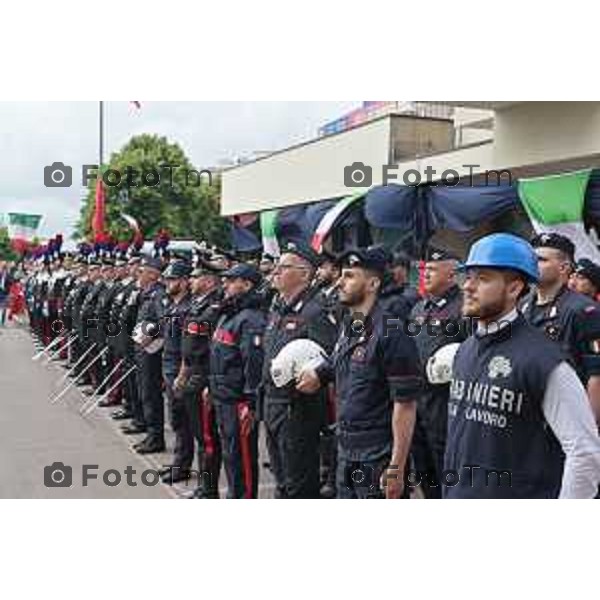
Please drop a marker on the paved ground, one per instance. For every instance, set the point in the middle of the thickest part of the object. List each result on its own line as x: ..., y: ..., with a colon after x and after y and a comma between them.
x: 35, y: 433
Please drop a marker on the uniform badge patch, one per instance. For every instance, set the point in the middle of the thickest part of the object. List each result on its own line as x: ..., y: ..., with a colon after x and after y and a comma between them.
x: 359, y: 354
x: 292, y: 324
x: 499, y: 367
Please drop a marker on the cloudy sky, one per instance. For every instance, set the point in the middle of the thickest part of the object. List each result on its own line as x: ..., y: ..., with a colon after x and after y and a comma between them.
x: 36, y: 134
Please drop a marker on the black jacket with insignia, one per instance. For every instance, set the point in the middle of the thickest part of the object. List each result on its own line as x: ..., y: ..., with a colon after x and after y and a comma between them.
x: 437, y: 321
x: 572, y: 320
x: 236, y: 352
x: 306, y: 317
x: 196, y: 337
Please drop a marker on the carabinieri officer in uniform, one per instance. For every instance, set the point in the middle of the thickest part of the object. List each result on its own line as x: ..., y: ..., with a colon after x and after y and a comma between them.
x: 520, y: 424
x: 568, y: 318
x: 378, y: 379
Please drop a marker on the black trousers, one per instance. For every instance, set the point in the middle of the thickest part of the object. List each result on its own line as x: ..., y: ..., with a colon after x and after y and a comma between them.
x: 183, y: 454
x: 150, y: 393
x: 204, y: 428
x: 429, y: 440
x: 293, y: 435
x: 240, y: 451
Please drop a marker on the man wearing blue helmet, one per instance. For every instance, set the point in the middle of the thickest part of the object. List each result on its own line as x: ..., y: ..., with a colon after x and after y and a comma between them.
x: 519, y: 423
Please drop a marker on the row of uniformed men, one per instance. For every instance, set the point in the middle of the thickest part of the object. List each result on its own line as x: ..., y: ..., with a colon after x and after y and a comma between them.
x: 221, y: 343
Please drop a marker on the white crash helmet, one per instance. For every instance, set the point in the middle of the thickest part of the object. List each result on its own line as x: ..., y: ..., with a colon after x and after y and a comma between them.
x: 440, y: 364
x: 293, y: 358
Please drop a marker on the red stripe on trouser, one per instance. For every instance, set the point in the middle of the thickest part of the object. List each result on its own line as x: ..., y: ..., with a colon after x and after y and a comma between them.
x: 206, y: 415
x: 331, y: 408
x: 242, y: 408
x: 46, y: 337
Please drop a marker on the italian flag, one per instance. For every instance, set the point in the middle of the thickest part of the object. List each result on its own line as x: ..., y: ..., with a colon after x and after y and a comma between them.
x: 138, y: 237
x: 268, y: 223
x: 22, y: 226
x: 555, y: 204
x: 330, y: 218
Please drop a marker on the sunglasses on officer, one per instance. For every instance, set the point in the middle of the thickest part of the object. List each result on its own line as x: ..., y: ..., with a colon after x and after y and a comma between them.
x: 286, y: 267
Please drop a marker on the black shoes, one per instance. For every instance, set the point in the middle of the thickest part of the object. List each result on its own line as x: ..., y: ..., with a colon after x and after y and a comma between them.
x: 328, y: 491
x: 121, y: 415
x: 150, y: 446
x: 173, y: 475
x: 202, y: 494
x: 133, y: 429
x: 109, y: 403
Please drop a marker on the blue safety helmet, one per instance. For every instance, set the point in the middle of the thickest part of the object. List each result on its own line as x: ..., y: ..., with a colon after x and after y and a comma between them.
x: 505, y: 251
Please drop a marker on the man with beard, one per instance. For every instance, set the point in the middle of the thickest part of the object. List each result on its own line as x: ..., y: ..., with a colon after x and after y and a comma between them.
x: 236, y: 358
x: 293, y: 420
x: 378, y: 381
x: 520, y: 425
x: 149, y: 357
x: 173, y: 318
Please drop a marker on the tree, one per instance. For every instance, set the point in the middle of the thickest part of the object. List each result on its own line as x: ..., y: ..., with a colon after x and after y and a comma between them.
x: 183, y: 200
x: 6, y: 251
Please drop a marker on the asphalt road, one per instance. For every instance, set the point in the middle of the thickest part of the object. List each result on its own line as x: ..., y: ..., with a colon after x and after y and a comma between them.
x: 36, y: 433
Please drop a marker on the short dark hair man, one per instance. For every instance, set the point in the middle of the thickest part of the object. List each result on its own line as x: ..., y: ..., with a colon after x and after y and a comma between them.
x: 378, y: 380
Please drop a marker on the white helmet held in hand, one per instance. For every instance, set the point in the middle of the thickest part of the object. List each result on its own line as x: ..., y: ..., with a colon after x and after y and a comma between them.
x: 145, y: 336
x: 292, y: 359
x: 439, y: 366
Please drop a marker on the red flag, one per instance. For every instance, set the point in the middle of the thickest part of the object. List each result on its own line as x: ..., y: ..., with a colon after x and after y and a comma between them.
x: 422, y: 291
x: 99, y: 218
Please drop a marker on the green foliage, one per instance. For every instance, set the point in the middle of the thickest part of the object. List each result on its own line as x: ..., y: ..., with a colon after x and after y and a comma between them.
x: 183, y: 203
x: 6, y: 252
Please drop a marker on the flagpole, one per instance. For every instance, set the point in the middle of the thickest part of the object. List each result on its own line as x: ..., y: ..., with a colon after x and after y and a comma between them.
x: 100, y: 134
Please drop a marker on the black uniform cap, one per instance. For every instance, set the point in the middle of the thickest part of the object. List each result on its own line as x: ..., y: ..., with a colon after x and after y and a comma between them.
x: 177, y: 270
x: 152, y: 262
x: 434, y: 254
x: 374, y: 259
x: 243, y: 271
x: 556, y: 241
x: 590, y: 270
x: 303, y: 251
x: 400, y: 259
x: 205, y: 269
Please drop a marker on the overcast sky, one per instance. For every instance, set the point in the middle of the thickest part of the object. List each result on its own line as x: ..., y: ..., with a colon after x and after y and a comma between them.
x: 36, y: 134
